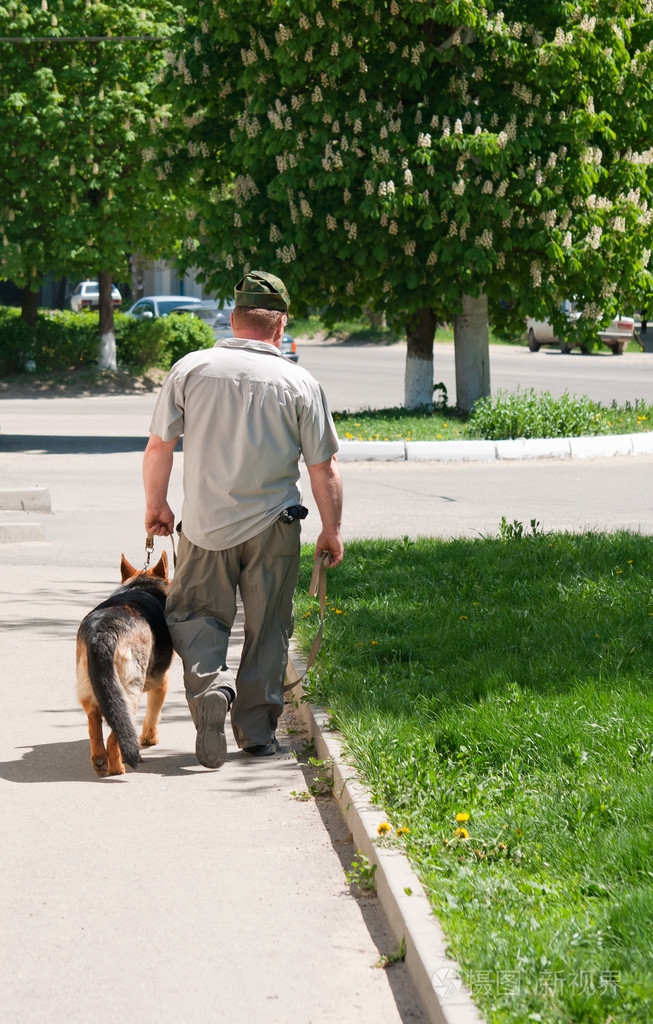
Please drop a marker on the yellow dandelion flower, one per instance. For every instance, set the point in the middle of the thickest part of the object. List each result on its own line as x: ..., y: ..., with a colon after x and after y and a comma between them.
x: 350, y: 436
x: 462, y: 816
x: 461, y: 833
x: 383, y: 828
x: 403, y: 831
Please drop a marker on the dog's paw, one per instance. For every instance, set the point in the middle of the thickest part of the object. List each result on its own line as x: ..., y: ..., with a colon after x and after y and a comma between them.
x: 100, y: 766
x: 149, y: 740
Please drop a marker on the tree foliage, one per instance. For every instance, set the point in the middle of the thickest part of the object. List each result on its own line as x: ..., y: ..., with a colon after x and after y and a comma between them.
x: 400, y: 155
x: 81, y: 135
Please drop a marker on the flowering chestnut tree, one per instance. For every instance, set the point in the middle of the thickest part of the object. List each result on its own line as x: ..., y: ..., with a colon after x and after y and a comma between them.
x: 429, y: 160
x: 81, y: 135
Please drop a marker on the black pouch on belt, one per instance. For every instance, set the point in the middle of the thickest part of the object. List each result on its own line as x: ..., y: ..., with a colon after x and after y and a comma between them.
x: 293, y: 512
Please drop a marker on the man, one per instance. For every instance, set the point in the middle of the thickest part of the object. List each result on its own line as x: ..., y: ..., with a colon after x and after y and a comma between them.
x: 247, y: 414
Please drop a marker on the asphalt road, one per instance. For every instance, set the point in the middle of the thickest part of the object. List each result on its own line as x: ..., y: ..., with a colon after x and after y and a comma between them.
x: 358, y: 377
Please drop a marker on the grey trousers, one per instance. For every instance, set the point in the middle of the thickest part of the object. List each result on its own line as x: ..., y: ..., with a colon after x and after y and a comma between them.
x: 200, y: 612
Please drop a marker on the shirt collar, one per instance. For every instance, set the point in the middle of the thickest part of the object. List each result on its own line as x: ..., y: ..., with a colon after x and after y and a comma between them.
x: 249, y: 343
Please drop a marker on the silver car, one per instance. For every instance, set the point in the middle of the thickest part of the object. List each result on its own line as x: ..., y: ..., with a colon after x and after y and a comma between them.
x: 153, y: 306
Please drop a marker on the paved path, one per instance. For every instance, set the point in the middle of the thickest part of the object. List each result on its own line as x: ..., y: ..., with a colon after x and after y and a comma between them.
x: 175, y: 892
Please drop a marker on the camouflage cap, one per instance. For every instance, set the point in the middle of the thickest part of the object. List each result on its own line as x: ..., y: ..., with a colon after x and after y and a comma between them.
x: 260, y: 290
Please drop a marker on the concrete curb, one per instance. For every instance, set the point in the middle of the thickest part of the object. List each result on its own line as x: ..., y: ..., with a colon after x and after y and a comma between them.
x: 21, y: 533
x: 25, y: 499
x: 494, y: 451
x: 436, y: 976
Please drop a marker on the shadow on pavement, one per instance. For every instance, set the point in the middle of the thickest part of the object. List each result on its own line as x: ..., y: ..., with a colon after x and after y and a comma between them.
x: 70, y: 445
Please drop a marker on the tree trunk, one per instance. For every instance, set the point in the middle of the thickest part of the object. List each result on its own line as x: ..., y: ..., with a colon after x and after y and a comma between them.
x: 420, y: 332
x: 107, y: 353
x: 377, y: 320
x: 137, y: 268
x: 472, y: 352
x: 29, y: 306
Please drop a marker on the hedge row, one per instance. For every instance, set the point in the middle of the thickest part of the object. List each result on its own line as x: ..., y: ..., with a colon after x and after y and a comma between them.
x: 62, y: 340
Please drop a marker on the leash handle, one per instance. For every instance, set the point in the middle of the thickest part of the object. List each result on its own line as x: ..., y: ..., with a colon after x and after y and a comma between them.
x: 149, y: 548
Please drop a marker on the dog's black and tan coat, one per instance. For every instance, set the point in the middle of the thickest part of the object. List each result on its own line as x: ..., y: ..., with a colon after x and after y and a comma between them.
x: 123, y: 649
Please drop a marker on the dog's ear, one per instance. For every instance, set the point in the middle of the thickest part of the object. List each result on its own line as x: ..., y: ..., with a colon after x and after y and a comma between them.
x: 161, y: 568
x: 126, y: 570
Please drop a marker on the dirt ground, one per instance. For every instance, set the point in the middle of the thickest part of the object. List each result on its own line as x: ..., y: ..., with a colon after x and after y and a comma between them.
x: 82, y: 382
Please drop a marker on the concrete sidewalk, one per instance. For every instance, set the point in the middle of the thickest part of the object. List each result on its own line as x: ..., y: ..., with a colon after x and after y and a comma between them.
x: 172, y: 893
x: 176, y: 892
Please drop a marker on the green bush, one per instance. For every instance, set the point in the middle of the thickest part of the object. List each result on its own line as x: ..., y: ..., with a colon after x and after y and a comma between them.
x: 531, y: 414
x: 140, y: 343
x: 58, y: 341
x: 63, y: 340
x: 183, y: 334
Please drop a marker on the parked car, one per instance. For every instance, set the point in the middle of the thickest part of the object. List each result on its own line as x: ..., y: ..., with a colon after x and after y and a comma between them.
x: 616, y: 336
x: 87, y: 296
x: 222, y: 325
x: 215, y: 313
x: 154, y: 306
x: 289, y: 348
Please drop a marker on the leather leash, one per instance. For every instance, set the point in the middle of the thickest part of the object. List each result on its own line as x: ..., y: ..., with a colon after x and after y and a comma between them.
x: 317, y: 588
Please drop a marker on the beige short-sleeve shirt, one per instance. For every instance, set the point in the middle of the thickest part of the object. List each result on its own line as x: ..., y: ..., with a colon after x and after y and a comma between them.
x: 247, y: 414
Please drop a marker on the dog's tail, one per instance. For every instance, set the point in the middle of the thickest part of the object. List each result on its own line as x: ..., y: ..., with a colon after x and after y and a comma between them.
x: 111, y: 699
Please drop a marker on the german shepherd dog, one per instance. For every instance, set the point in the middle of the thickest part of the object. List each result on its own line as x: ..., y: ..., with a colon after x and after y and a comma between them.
x: 123, y: 649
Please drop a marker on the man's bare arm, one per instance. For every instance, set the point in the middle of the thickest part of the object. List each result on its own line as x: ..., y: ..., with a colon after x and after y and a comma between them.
x: 326, y: 486
x: 157, y: 466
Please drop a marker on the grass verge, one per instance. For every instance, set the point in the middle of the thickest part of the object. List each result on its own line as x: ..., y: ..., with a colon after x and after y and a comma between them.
x: 524, y: 414
x: 496, y: 697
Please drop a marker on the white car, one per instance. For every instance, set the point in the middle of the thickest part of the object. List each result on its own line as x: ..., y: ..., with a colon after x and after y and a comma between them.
x: 616, y: 336
x: 87, y: 296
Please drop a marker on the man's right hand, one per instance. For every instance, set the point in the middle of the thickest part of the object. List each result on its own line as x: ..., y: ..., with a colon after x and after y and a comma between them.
x: 160, y: 521
x: 331, y: 544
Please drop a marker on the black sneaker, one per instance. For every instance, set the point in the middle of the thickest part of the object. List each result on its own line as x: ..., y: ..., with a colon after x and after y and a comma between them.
x: 211, y: 744
x: 263, y: 749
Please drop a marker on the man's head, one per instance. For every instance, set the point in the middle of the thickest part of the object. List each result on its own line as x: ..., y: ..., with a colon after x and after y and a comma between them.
x: 261, y: 311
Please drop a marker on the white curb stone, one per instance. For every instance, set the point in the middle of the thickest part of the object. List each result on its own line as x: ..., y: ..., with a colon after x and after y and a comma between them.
x: 489, y: 451
x: 534, y: 448
x: 25, y: 499
x: 600, y: 447
x: 642, y: 443
x: 450, y: 451
x: 367, y: 451
x: 21, y: 533
x: 436, y: 976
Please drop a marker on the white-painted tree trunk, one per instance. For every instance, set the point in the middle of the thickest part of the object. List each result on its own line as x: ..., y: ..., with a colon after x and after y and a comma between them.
x: 472, y: 352
x: 418, y: 386
x: 107, y: 352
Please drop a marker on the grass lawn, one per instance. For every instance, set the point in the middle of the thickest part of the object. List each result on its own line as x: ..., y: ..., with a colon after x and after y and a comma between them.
x: 496, y: 696
x: 433, y: 424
